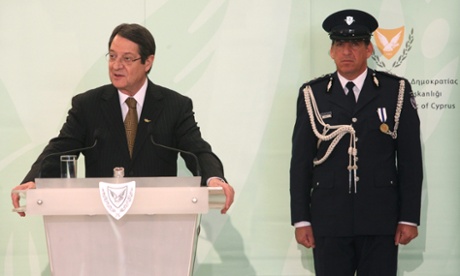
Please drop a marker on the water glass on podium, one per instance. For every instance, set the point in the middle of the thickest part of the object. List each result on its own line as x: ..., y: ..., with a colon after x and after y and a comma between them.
x: 69, y: 166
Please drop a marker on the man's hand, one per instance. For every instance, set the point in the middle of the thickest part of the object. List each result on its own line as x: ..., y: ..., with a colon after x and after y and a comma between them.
x: 405, y: 233
x: 15, y: 196
x: 304, y: 236
x: 228, y: 191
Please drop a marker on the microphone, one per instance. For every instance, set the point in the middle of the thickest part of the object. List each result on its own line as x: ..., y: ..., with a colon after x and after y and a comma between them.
x: 198, y: 168
x: 97, y: 135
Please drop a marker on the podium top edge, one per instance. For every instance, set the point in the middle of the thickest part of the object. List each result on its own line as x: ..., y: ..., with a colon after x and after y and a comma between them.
x: 162, y: 181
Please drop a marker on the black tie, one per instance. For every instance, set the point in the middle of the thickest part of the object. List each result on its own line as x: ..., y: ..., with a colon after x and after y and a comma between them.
x: 351, y: 94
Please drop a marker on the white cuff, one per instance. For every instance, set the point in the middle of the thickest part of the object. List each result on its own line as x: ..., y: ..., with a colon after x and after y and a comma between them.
x: 408, y: 223
x: 302, y: 224
x: 211, y: 178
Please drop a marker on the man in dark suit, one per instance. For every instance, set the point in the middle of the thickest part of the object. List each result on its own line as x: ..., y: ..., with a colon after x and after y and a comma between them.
x: 101, y: 115
x: 356, y: 167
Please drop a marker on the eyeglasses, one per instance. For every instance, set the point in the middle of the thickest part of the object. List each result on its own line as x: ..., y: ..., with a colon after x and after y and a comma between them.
x: 125, y: 60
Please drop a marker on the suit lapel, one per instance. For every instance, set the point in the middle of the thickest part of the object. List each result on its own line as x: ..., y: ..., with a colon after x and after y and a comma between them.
x: 368, y: 92
x: 150, y: 112
x: 110, y: 106
x: 337, y: 95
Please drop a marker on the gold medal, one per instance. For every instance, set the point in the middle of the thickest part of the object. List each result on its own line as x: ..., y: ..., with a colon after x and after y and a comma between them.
x: 384, y: 128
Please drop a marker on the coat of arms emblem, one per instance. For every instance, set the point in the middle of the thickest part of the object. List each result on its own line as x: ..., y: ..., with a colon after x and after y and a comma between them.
x: 117, y: 198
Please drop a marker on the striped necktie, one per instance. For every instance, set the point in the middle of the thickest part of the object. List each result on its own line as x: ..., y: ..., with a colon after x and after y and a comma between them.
x: 131, y: 124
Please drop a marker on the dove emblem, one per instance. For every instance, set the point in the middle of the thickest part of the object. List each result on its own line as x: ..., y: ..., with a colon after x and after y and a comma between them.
x: 117, y: 196
x: 388, y: 46
x: 389, y: 41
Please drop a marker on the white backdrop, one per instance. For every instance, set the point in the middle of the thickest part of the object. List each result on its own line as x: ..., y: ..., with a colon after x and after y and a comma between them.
x: 242, y: 63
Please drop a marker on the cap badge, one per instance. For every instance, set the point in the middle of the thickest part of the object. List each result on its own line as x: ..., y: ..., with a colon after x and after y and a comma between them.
x: 349, y: 20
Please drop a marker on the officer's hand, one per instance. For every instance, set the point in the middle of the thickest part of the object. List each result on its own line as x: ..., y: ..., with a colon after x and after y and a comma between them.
x: 405, y: 233
x: 304, y: 236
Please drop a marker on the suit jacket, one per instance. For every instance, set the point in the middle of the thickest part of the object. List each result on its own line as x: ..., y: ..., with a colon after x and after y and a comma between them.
x: 96, y: 115
x: 389, y: 170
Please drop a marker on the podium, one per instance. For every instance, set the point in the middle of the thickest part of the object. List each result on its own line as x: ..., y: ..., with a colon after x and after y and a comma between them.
x: 157, y: 236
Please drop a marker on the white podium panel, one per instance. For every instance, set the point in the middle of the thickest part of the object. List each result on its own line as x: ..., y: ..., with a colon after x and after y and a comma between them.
x: 157, y: 236
x: 133, y: 245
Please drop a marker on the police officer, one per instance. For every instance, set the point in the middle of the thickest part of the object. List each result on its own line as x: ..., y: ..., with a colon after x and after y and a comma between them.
x: 356, y: 166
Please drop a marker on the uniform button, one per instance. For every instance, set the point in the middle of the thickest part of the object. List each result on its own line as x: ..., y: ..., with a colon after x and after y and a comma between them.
x: 354, y: 120
x: 356, y: 139
x: 357, y: 178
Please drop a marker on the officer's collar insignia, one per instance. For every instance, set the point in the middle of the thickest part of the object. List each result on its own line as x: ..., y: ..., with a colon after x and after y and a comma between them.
x: 329, y: 84
x: 376, y: 81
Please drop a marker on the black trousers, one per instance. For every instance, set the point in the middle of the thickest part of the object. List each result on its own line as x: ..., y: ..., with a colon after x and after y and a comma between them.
x: 363, y: 255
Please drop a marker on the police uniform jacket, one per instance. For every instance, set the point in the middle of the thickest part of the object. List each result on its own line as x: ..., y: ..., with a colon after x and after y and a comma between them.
x: 389, y: 174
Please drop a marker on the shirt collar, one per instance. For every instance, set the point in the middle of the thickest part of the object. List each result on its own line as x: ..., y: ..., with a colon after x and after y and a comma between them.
x: 359, y: 81
x: 139, y: 96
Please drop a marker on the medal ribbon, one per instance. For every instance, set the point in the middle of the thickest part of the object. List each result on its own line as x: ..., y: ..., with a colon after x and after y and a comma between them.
x: 382, y: 112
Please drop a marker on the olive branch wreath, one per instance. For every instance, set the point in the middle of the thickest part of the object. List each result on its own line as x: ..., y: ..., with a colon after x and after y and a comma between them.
x: 401, y: 58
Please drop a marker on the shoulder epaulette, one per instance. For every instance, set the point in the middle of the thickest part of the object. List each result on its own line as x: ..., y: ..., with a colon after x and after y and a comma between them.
x: 388, y: 74
x: 319, y: 79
